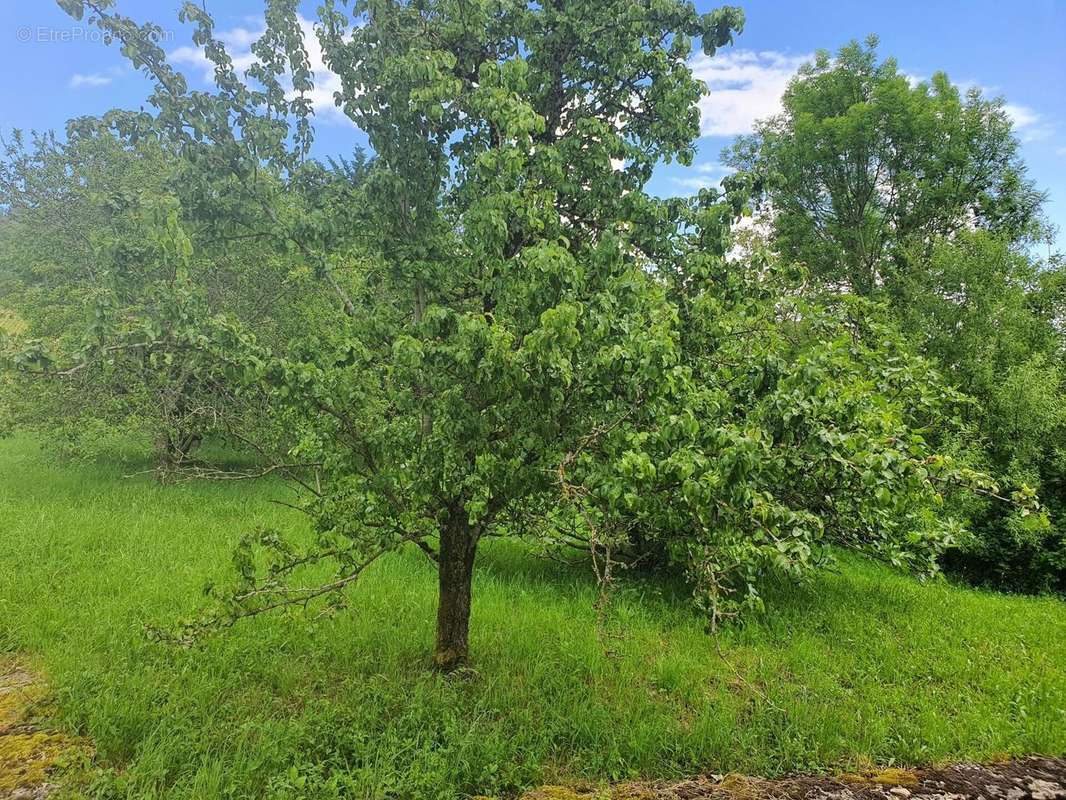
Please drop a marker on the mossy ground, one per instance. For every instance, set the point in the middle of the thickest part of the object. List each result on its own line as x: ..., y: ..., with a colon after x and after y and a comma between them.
x: 891, y: 776
x: 30, y: 756
x: 11, y: 323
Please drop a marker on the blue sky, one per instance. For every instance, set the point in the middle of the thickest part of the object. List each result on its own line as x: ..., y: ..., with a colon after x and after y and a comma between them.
x: 52, y: 68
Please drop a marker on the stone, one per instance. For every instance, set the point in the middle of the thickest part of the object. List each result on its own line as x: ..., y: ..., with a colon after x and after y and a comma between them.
x: 1046, y: 790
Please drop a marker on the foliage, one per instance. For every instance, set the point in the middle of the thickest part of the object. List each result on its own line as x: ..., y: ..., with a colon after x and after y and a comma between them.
x: 804, y: 429
x: 990, y: 315
x: 98, y: 251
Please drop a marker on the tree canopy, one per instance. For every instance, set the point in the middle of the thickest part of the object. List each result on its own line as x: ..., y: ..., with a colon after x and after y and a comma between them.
x: 865, y: 162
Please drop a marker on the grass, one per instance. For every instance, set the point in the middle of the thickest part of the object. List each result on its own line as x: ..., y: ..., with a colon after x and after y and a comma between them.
x: 864, y: 666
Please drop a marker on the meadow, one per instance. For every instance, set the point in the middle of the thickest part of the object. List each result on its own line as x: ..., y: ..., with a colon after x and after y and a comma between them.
x: 863, y: 666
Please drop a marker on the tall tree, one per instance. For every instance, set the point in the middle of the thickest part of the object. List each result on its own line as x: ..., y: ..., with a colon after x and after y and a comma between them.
x: 864, y: 162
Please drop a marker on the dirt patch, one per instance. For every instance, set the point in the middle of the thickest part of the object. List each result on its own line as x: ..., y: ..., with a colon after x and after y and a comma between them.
x: 29, y: 752
x: 1033, y: 778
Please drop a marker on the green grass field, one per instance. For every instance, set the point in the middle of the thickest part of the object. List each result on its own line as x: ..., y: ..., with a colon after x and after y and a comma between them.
x: 862, y: 666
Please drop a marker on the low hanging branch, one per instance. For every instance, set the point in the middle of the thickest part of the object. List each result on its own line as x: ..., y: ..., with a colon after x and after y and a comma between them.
x: 253, y: 596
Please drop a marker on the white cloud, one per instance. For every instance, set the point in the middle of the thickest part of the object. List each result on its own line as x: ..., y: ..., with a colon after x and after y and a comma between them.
x: 1029, y: 124
x: 77, y: 80
x: 702, y: 176
x: 695, y: 182
x: 94, y: 79
x: 238, y: 43
x: 1021, y: 116
x: 744, y: 85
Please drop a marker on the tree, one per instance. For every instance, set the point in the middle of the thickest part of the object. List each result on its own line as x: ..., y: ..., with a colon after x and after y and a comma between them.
x: 82, y: 250
x: 863, y: 165
x: 94, y: 243
x: 990, y: 315
x: 531, y: 343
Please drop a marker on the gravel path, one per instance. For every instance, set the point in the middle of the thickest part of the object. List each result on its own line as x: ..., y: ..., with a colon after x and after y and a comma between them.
x: 1032, y: 778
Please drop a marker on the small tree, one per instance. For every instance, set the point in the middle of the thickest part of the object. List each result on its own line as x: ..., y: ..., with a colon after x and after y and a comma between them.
x: 97, y: 244
x: 86, y: 244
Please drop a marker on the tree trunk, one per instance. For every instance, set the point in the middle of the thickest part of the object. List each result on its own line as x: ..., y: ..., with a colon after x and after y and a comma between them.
x: 177, y: 447
x: 458, y: 545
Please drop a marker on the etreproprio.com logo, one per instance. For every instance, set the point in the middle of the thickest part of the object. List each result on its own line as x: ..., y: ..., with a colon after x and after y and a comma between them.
x: 47, y: 34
